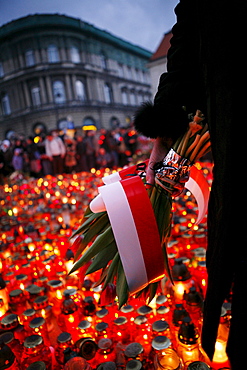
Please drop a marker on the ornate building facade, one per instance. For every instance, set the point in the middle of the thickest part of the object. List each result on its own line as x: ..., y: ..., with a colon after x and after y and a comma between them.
x: 58, y: 72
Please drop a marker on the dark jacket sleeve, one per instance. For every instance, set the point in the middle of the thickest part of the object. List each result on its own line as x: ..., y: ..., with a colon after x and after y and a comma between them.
x: 180, y: 89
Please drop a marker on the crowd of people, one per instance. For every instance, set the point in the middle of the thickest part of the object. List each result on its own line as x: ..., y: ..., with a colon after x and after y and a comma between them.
x: 54, y: 154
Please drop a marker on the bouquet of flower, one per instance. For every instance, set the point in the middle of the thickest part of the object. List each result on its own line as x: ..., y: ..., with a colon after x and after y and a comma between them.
x: 96, y: 241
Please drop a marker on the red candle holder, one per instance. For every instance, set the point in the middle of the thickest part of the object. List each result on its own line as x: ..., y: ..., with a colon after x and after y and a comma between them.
x: 37, y: 326
x: 36, y: 350
x: 64, y: 341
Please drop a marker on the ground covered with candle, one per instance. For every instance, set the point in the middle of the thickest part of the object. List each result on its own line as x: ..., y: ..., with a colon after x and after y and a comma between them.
x: 52, y: 320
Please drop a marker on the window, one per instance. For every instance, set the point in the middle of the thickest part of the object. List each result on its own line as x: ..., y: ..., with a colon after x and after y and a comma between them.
x: 1, y: 70
x: 124, y: 96
x: 120, y: 70
x: 103, y: 61
x: 140, y: 98
x: 80, y: 90
x: 132, y: 98
x: 53, y: 55
x: 35, y: 94
x: 108, y: 93
x: 29, y: 56
x: 130, y: 76
x: 75, y: 55
x: 6, y: 105
x: 59, y: 92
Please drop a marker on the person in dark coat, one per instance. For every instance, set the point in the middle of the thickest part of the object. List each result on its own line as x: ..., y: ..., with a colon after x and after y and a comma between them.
x: 206, y: 70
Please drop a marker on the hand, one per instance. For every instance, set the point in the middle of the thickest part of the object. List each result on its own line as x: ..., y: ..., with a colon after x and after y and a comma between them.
x: 160, y: 149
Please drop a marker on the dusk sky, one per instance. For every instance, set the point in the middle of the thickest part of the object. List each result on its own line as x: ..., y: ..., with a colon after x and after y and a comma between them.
x: 142, y: 22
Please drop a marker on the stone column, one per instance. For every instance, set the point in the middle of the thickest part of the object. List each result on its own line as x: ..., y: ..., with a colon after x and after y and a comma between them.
x: 68, y: 87
x: 49, y: 89
x: 42, y: 90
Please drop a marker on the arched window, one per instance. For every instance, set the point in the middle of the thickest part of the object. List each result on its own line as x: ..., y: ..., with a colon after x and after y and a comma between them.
x: 35, y: 94
x: 1, y: 70
x: 53, y: 54
x: 108, y: 93
x: 5, y: 105
x: 103, y: 60
x: 29, y: 57
x: 133, y: 97
x: 124, y: 96
x: 75, y: 54
x: 80, y: 90
x: 59, y: 92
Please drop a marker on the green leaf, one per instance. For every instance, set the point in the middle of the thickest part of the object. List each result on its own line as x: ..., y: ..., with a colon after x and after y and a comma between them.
x: 96, y: 229
x: 102, y: 241
x: 112, y: 270
x: 86, y: 223
x: 121, y: 286
x: 102, y: 258
x: 152, y: 291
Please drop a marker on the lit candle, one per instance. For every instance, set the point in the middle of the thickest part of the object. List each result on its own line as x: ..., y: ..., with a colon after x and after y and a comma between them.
x: 35, y: 350
x: 105, y: 352
x: 38, y: 326
x: 163, y: 355
x: 121, y: 331
x: 134, y: 351
x: 64, y: 341
x: 188, y: 343
x: 3, y: 297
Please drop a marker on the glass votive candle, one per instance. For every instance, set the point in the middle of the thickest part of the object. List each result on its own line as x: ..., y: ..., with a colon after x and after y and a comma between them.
x: 101, y: 329
x: 13, y: 343
x: 128, y: 311
x: 27, y: 316
x: 105, y: 351
x: 160, y: 327
x: 55, y: 295
x: 83, y: 330
x: 142, y: 327
x: 38, y: 327
x: 17, y: 301
x: 134, y: 350
x: 134, y: 365
x: 21, y: 281
x: 121, y: 330
x: 86, y: 348
x: 88, y: 306
x: 36, y: 350
x: 163, y: 312
x: 163, y: 355
x: 160, y: 300
x: 147, y: 311
x: 11, y: 323
x: 64, y: 341
x: 102, y: 315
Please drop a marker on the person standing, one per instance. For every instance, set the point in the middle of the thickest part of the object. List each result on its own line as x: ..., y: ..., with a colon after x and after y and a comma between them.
x: 206, y: 71
x: 55, y: 150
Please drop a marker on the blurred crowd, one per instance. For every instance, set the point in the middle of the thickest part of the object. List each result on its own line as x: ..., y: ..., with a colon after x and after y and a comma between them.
x: 54, y: 154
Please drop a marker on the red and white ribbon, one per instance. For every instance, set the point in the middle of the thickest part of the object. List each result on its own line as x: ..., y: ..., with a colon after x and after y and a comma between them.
x: 134, y: 226
x: 135, y: 231
x: 198, y: 186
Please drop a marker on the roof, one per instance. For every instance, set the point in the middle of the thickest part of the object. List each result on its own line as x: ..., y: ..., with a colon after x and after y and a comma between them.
x: 163, y: 47
x: 58, y: 20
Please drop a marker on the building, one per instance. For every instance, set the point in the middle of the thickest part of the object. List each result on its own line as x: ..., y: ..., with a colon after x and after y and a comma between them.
x: 58, y: 72
x: 158, y: 62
